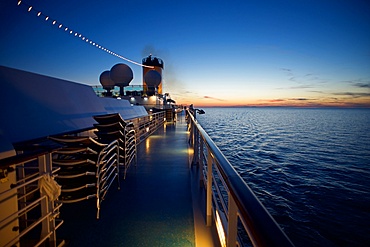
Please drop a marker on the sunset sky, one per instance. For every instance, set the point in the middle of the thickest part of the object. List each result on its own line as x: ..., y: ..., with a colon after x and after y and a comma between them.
x: 288, y: 53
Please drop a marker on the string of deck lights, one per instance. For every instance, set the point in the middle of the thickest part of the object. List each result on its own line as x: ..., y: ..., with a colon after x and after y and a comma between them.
x: 76, y: 34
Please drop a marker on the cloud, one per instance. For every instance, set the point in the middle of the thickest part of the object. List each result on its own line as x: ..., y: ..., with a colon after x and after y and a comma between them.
x: 308, y: 78
x: 285, y: 69
x: 209, y: 97
x: 302, y: 87
x: 276, y: 100
x: 316, y: 91
x: 353, y: 94
x: 362, y: 84
x: 299, y: 99
x: 293, y: 79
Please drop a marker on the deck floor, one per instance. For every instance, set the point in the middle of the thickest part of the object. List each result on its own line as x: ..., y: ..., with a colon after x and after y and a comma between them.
x: 156, y: 206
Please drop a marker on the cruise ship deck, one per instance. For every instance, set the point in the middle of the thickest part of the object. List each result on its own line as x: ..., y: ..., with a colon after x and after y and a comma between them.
x: 157, y: 205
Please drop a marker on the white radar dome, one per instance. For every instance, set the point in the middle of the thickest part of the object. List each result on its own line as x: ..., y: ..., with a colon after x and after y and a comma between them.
x: 106, y: 81
x: 153, y: 78
x: 121, y: 74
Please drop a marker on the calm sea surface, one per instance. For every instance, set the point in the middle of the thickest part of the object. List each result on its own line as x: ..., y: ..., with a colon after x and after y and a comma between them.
x: 309, y: 167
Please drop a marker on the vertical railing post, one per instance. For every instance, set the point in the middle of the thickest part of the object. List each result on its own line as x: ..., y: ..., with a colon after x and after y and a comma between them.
x: 193, y: 133
x: 117, y: 165
x: 201, y: 161
x: 47, y: 206
x: 209, y: 189
x: 232, y: 226
x: 196, y: 146
x: 21, y: 175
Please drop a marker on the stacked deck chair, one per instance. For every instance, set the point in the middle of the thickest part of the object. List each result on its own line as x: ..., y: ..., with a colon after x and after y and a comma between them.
x: 87, y: 168
x: 112, y: 127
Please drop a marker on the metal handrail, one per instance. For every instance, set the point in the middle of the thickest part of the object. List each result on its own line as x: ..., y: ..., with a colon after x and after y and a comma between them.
x: 145, y: 126
x: 30, y: 201
x: 260, y: 226
x: 108, y: 159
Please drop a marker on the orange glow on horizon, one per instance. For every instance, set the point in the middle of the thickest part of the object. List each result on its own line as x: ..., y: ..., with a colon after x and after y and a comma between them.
x: 286, y: 102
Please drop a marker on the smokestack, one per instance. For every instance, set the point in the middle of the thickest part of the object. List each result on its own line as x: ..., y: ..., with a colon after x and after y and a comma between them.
x: 150, y: 81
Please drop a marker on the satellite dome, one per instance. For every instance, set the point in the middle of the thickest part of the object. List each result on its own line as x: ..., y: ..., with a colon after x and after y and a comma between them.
x: 121, y: 74
x: 106, y: 81
x: 152, y: 78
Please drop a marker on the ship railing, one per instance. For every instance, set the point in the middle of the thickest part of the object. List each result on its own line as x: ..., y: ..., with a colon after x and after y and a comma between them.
x: 29, y: 207
x: 28, y: 214
x: 113, y: 127
x: 107, y: 172
x: 146, y: 125
x: 130, y: 150
x: 239, y: 216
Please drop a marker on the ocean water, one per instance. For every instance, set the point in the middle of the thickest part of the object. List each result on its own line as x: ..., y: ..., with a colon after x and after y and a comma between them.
x: 309, y: 167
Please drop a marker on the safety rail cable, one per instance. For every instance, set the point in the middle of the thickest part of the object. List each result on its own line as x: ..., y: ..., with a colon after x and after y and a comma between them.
x: 260, y: 226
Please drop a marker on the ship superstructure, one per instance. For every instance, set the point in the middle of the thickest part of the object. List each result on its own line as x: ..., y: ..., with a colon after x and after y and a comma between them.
x: 63, y: 148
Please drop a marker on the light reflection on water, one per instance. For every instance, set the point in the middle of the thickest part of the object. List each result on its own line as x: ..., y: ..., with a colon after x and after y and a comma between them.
x: 309, y: 167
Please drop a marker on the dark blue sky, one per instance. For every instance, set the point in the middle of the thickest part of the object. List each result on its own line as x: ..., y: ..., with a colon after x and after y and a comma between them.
x: 215, y: 52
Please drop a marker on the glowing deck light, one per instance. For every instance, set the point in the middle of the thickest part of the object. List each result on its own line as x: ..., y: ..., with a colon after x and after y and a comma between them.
x: 220, y: 230
x: 29, y: 9
x: 147, y: 129
x: 39, y: 13
x: 60, y: 25
x: 19, y: 2
x: 46, y: 18
x: 54, y: 22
